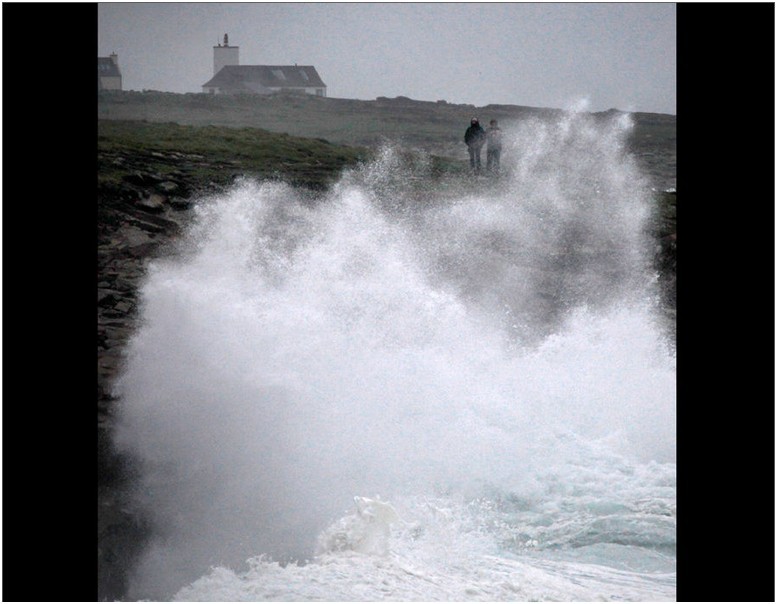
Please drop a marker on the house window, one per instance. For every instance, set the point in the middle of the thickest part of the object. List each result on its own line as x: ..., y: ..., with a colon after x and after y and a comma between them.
x: 278, y: 73
x: 319, y: 92
x: 304, y: 75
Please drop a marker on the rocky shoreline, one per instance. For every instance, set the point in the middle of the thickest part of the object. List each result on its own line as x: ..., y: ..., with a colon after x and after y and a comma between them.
x: 134, y: 221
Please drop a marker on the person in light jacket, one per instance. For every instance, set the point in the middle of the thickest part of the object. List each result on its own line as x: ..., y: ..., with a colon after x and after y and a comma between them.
x: 494, y: 147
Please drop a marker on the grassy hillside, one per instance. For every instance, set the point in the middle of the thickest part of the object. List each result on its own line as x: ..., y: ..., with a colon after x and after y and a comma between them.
x: 343, y: 121
x: 202, y: 154
x: 435, y: 127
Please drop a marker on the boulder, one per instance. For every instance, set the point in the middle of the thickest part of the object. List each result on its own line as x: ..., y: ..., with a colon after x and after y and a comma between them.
x: 153, y: 203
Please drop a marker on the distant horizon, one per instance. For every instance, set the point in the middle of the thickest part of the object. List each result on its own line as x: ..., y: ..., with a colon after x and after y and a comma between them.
x: 551, y: 55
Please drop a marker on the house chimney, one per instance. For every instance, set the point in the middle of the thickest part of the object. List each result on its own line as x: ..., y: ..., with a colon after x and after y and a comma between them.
x: 225, y: 55
x: 115, y: 59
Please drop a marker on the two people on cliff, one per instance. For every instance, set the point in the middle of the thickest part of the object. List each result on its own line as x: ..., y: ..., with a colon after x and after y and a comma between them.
x: 475, y: 137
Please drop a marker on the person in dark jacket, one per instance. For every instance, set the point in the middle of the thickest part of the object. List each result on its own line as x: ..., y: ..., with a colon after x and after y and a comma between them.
x: 475, y: 137
x: 493, y: 147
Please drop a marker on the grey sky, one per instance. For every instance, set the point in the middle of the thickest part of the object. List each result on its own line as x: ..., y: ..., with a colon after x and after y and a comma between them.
x: 620, y: 55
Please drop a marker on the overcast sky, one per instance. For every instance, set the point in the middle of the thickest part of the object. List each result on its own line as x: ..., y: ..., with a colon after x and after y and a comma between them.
x: 620, y: 55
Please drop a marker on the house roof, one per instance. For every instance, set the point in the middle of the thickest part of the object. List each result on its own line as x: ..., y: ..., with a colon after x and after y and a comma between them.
x: 258, y: 78
x: 107, y: 68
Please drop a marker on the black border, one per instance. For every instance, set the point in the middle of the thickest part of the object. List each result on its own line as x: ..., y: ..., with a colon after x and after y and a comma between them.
x: 49, y: 305
x: 725, y: 302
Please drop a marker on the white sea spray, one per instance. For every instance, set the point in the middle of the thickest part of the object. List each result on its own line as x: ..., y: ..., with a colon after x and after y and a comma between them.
x: 489, y: 364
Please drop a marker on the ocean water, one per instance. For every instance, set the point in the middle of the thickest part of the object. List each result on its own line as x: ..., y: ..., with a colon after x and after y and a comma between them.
x: 449, y: 393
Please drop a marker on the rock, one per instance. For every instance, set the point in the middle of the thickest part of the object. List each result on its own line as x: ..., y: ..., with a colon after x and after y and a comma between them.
x: 131, y: 237
x: 123, y: 307
x: 180, y: 203
x: 128, y: 284
x: 143, y: 250
x: 167, y: 186
x: 140, y: 178
x: 153, y: 203
x: 105, y: 297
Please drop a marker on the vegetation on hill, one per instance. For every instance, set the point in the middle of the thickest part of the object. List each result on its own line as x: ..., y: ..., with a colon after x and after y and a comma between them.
x: 216, y: 154
x: 434, y: 127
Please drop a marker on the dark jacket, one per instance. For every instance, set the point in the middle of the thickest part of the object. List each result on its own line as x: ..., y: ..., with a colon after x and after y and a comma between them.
x: 475, y: 136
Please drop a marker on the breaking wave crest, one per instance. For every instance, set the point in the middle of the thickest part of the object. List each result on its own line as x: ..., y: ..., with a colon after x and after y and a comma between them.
x: 483, y: 357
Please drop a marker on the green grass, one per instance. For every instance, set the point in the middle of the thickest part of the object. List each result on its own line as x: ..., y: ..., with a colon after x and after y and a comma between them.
x: 216, y: 153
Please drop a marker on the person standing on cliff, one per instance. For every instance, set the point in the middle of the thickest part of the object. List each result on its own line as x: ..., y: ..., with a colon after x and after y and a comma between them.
x: 474, y: 137
x: 494, y: 147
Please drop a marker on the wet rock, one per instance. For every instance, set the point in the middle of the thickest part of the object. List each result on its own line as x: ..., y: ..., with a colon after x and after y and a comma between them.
x: 143, y: 179
x: 152, y: 203
x: 180, y: 203
x: 168, y: 186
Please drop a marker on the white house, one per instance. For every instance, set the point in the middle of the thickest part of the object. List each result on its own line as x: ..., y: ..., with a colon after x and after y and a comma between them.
x: 229, y: 77
x: 108, y: 73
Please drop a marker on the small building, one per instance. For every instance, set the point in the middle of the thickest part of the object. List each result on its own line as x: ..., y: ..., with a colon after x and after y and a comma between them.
x: 265, y: 79
x: 229, y: 77
x: 108, y: 73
